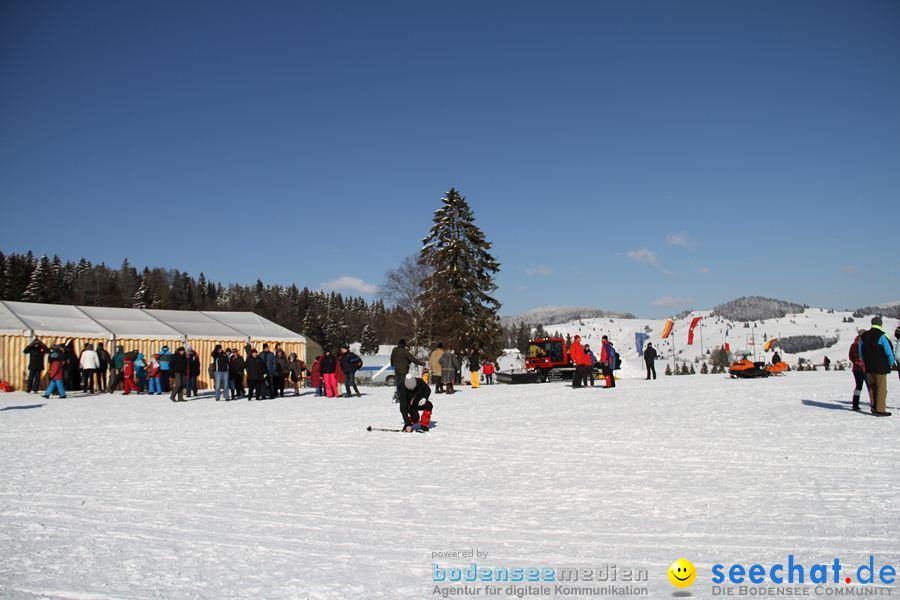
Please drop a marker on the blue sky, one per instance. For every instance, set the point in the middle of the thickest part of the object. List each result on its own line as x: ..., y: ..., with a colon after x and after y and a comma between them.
x: 641, y: 156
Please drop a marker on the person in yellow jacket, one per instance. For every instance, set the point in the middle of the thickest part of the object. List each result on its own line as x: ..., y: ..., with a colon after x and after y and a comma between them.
x: 434, y: 368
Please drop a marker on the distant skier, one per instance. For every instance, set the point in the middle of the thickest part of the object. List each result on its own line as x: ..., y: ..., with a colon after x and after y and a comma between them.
x: 608, y: 362
x: 827, y: 363
x: 650, y: 360
x: 417, y: 394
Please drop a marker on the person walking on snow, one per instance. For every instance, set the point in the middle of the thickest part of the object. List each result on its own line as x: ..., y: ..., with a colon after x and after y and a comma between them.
x: 117, y: 369
x: 650, y: 360
x: 57, y: 372
x: 608, y: 362
x: 104, y: 360
x: 859, y: 371
x: 153, y: 383
x: 878, y: 356
x: 474, y: 368
x: 193, y: 372
x: 488, y: 369
x: 128, y: 383
x: 350, y: 364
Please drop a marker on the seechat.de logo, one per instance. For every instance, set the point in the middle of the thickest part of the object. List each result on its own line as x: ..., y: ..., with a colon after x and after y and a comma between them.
x: 682, y: 573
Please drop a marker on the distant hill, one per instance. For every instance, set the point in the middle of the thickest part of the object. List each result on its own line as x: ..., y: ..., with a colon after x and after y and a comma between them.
x: 755, y: 308
x: 889, y: 309
x: 546, y: 315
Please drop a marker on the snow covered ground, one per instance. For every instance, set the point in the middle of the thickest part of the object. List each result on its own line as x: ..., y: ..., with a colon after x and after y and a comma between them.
x: 137, y: 497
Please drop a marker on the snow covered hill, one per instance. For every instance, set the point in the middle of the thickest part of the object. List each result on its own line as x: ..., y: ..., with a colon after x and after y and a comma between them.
x: 559, y: 314
x: 744, y: 337
x: 112, y: 497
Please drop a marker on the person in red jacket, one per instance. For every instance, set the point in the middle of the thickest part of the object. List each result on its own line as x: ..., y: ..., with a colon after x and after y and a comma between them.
x: 859, y: 370
x: 57, y: 372
x: 582, y: 363
x: 488, y: 369
x: 608, y: 362
x: 315, y: 375
x: 129, y: 375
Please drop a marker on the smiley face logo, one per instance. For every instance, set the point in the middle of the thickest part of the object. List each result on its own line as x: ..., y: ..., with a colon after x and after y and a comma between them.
x: 682, y: 573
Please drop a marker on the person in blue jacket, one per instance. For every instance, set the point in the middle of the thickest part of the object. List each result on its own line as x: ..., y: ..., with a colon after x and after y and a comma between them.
x: 590, y: 353
x: 163, y: 358
x: 268, y: 358
x: 877, y: 353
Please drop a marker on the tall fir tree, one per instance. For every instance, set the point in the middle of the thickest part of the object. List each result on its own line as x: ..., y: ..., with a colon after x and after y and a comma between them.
x: 459, y: 285
x: 43, y: 283
x: 369, y: 343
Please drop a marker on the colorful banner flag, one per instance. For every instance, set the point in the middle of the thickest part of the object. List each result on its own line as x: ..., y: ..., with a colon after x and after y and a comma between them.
x: 768, y: 345
x: 691, y: 330
x: 639, y: 338
x: 667, y: 328
x: 725, y: 342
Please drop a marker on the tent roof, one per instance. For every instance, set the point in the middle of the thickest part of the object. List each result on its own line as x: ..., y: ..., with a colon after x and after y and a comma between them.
x: 19, y: 318
x: 130, y: 323
x: 57, y: 319
x: 255, y: 326
x: 196, y: 324
x: 10, y: 323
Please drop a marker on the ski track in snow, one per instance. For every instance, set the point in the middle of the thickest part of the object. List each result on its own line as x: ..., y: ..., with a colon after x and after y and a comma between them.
x: 114, y: 497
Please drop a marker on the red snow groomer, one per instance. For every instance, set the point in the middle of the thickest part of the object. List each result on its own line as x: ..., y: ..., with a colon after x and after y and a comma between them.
x: 549, y: 355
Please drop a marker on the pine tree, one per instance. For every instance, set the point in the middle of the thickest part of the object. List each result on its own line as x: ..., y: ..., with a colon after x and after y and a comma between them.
x: 369, y: 341
x: 142, y: 297
x: 458, y: 289
x: 2, y: 276
x: 40, y: 288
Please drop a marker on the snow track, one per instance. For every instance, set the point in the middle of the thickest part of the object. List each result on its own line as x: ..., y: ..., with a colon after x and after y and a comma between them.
x: 137, y: 497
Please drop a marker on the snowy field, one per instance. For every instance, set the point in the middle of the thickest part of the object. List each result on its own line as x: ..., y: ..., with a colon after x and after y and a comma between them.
x: 137, y: 497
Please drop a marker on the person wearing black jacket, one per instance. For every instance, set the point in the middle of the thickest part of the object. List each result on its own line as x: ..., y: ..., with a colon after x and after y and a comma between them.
x: 237, y: 374
x: 328, y: 368
x: 193, y: 372
x: 350, y: 364
x: 649, y: 358
x: 221, y: 370
x: 35, y: 351
x: 877, y: 353
x: 177, y: 369
x: 104, y: 359
x: 401, y: 359
x: 281, y: 372
x: 256, y: 370
x: 417, y: 395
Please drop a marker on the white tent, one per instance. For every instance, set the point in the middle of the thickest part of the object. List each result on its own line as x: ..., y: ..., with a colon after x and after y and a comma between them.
x: 196, y: 325
x: 253, y: 326
x: 130, y: 323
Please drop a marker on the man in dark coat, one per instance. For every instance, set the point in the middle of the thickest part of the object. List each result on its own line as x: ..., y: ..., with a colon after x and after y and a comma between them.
x: 103, y: 359
x: 877, y: 354
x: 417, y: 395
x: 178, y: 369
x: 401, y: 358
x: 650, y: 360
x: 35, y: 351
x: 350, y: 364
x: 237, y: 374
x: 256, y: 371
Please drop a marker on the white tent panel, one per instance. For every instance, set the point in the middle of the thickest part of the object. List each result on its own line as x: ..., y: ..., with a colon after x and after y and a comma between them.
x: 10, y: 324
x: 131, y: 323
x: 255, y: 326
x: 57, y: 320
x: 196, y: 324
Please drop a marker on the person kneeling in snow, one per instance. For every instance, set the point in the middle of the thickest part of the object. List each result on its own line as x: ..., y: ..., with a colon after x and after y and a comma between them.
x: 417, y: 396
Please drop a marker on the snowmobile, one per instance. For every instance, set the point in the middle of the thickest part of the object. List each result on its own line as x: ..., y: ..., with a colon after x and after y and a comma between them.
x: 746, y: 369
x: 778, y: 368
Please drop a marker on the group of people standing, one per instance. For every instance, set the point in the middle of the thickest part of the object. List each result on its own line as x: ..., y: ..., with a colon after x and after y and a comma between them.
x: 334, y: 376
x: 174, y: 373
x: 586, y: 361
